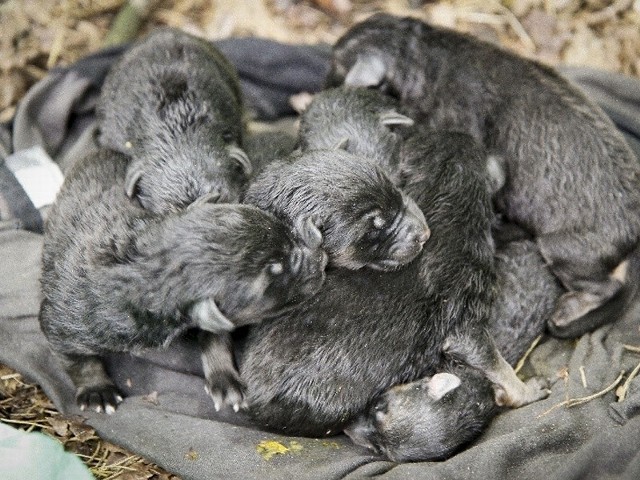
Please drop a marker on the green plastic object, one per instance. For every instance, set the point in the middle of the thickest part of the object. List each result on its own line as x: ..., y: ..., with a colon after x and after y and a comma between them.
x: 35, y: 456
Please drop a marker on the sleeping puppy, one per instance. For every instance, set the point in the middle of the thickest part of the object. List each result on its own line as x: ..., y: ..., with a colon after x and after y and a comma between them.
x: 360, y: 121
x: 571, y: 179
x: 173, y: 104
x: 119, y: 278
x: 368, y: 123
x: 434, y: 417
x: 314, y: 370
x: 365, y: 220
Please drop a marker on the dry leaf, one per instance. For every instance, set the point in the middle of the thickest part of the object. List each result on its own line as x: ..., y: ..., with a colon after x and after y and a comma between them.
x: 151, y: 398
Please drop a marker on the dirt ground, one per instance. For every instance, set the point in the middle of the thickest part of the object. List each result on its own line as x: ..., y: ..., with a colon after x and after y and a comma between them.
x: 37, y: 35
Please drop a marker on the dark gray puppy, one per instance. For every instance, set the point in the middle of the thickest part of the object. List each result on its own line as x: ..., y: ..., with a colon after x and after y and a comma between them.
x: 173, y: 103
x: 368, y: 123
x: 571, y: 179
x: 434, y: 417
x: 117, y: 277
x: 364, y: 219
x: 315, y: 369
x: 362, y: 122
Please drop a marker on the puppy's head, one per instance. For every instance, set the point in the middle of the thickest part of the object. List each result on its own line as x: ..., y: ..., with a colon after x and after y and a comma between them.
x: 429, y: 419
x: 187, y: 149
x: 252, y: 264
x: 380, y: 52
x: 169, y: 178
x: 369, y: 222
x: 362, y: 122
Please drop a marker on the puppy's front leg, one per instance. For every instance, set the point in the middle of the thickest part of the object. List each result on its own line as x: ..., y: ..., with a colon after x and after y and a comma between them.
x: 222, y: 380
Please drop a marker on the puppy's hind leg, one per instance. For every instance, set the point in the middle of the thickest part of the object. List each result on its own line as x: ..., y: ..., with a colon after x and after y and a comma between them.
x: 94, y: 389
x: 481, y: 353
x: 593, y: 276
x: 222, y: 380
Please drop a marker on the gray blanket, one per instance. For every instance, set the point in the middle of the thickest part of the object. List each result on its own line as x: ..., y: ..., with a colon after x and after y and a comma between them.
x: 168, y: 418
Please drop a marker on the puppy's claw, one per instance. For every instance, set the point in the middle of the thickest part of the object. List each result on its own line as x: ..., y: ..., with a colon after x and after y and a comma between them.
x: 225, y: 388
x: 99, y: 398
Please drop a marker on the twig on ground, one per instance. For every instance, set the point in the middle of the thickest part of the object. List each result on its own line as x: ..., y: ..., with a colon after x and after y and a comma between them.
x: 622, y: 391
x: 521, y: 362
x: 583, y: 377
x: 607, y: 13
x: 631, y: 348
x: 573, y: 402
x: 127, y: 23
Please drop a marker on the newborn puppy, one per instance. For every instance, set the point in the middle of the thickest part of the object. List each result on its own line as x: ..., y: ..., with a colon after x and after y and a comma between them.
x: 434, y: 417
x: 118, y: 278
x: 366, y: 122
x: 360, y: 121
x: 571, y: 179
x: 365, y: 220
x: 315, y: 369
x: 173, y: 104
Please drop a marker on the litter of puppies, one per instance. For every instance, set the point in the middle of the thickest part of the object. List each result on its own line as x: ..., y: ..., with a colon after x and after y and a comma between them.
x: 380, y: 261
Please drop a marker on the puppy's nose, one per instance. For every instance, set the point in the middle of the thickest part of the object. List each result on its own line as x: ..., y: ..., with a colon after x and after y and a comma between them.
x: 416, y: 232
x: 423, y: 236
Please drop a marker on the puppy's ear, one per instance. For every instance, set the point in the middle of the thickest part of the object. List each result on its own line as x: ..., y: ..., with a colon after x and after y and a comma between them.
x: 237, y: 154
x: 392, y: 118
x: 309, y: 232
x: 134, y: 174
x: 207, y: 316
x: 368, y: 71
x: 441, y: 384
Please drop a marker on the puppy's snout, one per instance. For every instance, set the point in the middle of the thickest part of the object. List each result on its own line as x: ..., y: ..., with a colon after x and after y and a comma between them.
x: 417, y: 232
x: 360, y: 433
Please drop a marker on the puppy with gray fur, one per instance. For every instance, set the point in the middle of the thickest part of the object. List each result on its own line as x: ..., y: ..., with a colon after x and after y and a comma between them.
x: 365, y: 220
x: 571, y: 180
x: 173, y: 104
x: 434, y: 417
x: 361, y: 121
x: 119, y: 278
x: 314, y: 370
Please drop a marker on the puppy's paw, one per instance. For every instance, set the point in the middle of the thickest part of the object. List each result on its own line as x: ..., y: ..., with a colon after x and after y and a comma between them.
x: 226, y: 389
x: 533, y: 390
x: 537, y: 389
x: 571, y: 306
x: 100, y: 398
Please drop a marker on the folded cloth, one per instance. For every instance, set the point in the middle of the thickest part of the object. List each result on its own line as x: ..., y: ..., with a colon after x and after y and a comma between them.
x: 167, y: 416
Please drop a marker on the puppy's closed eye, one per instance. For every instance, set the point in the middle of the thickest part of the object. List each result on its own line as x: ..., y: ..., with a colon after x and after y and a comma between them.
x: 276, y: 268
x: 379, y: 222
